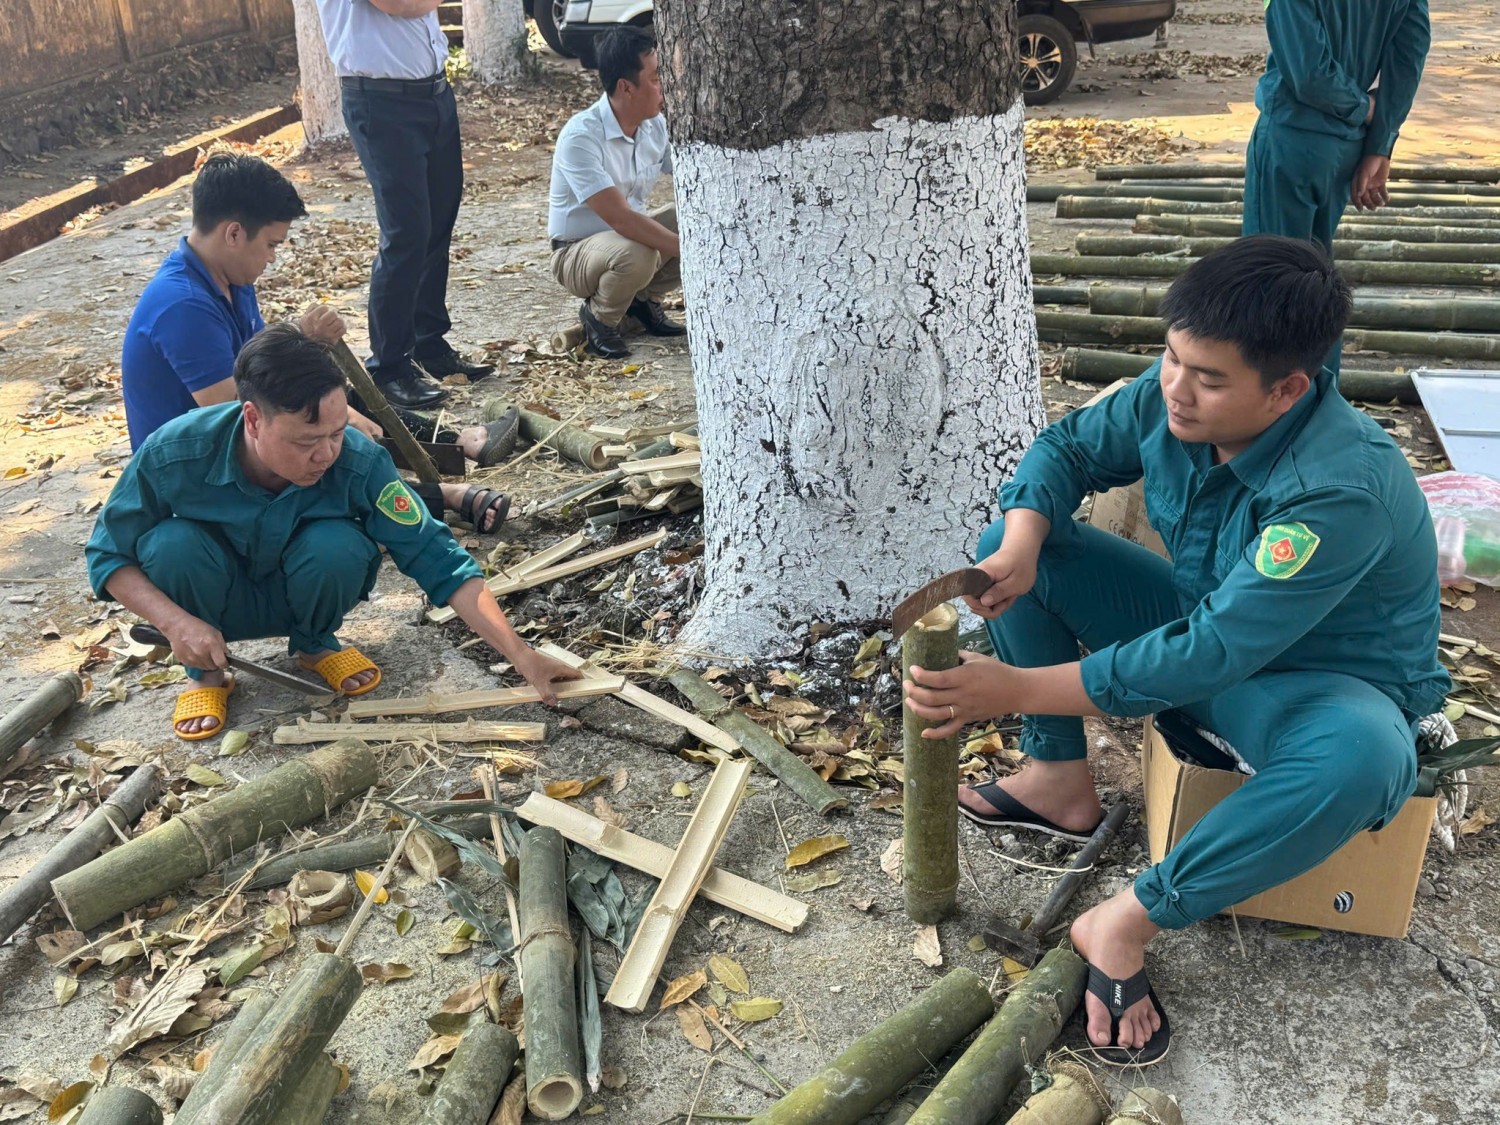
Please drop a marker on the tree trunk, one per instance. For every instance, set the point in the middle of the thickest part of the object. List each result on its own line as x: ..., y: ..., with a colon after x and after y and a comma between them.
x: 120, y: 1105
x: 39, y: 708
x: 850, y: 203
x: 474, y: 1078
x: 495, y: 40
x: 322, y: 108
x: 929, y: 809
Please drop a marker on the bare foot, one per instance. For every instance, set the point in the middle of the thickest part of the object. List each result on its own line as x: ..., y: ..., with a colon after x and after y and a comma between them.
x: 1063, y: 792
x: 351, y: 684
x: 215, y: 678
x: 1112, y: 937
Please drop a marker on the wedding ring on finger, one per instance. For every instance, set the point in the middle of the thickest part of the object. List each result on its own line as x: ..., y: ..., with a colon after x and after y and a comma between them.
x: 952, y: 712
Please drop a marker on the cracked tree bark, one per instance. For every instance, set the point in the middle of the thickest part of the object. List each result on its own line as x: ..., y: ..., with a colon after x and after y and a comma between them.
x: 318, y: 87
x: 850, y: 190
x: 495, y: 40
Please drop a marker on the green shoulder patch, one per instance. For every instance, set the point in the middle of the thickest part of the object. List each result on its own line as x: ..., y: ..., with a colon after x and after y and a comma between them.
x: 1284, y: 549
x: 397, y: 502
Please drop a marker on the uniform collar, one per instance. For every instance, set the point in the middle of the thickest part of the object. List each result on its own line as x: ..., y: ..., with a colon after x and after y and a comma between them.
x: 195, y: 265
x: 226, y: 466
x: 612, y: 130
x: 1253, y: 467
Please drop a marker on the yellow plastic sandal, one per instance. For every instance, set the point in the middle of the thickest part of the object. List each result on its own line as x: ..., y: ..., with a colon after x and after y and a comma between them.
x: 202, y: 703
x: 337, y: 667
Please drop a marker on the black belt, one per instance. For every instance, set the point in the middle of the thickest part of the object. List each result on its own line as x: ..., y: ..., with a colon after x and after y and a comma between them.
x: 560, y: 243
x: 408, y: 87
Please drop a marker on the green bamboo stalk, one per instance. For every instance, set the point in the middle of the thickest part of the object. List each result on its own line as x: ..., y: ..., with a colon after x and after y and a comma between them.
x: 976, y: 1087
x: 573, y: 443
x: 1438, y: 189
x: 309, y: 1101
x: 251, y: 1012
x: 1060, y: 294
x: 120, y: 1105
x: 1419, y: 196
x: 1128, y: 207
x: 883, y: 1060
x: 1229, y: 227
x: 1187, y: 170
x: 474, y: 1078
x: 1356, y: 384
x: 43, y: 705
x: 1116, y: 245
x: 1448, y: 274
x: 1444, y: 345
x: 929, y: 807
x: 553, y: 1061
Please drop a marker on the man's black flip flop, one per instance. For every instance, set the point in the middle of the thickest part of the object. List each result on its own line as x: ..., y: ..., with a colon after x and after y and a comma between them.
x: 1117, y: 996
x: 1010, y: 813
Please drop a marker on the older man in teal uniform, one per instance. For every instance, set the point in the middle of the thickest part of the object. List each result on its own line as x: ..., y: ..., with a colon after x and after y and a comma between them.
x: 1297, y: 619
x: 1324, y: 137
x: 266, y: 517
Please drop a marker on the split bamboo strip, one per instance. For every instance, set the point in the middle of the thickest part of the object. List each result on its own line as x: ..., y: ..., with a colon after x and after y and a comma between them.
x: 1453, y: 274
x: 694, y: 857
x: 978, y: 1085
x: 43, y: 705
x: 1229, y: 227
x: 882, y: 1061
x: 689, y: 460
x: 303, y: 732
x: 120, y: 1105
x: 929, y: 806
x: 381, y: 411
x: 500, y: 585
x: 548, y: 556
x: 793, y: 772
x: 197, y: 840
x: 732, y: 891
x: 474, y: 1078
x: 477, y: 700
x: 545, y: 955
x: 1129, y: 245
x: 26, y: 895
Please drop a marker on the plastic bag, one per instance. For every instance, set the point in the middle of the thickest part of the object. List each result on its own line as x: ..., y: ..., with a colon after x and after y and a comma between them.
x: 1466, y: 515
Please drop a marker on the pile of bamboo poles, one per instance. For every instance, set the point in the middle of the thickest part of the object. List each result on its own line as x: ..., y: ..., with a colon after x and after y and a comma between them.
x: 1442, y: 229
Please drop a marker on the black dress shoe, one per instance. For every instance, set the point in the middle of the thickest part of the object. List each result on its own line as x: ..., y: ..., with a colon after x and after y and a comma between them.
x: 411, y: 391
x: 451, y: 363
x: 603, y: 339
x: 654, y: 319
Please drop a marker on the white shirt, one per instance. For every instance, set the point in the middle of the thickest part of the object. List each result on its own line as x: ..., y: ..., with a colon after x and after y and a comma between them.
x: 363, y: 41
x: 593, y: 154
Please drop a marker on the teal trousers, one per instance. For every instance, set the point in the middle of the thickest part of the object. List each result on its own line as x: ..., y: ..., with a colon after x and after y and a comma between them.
x: 328, y: 567
x: 1332, y: 755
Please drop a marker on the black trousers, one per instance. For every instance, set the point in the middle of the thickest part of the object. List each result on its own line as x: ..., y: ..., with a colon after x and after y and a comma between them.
x: 408, y: 143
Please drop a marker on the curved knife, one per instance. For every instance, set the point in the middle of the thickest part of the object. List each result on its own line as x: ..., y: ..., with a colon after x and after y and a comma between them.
x: 971, y: 581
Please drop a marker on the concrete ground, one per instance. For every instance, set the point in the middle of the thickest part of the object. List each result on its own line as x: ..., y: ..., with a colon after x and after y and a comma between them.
x: 1340, y: 1028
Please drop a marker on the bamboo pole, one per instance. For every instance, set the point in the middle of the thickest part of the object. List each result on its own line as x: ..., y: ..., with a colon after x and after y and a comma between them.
x: 474, y: 1078
x: 1445, y: 345
x: 196, y: 841
x: 303, y: 733
x: 791, y: 770
x: 1059, y: 294
x: 1356, y: 384
x: 1072, y: 1098
x: 1187, y: 170
x: 1147, y: 1105
x: 1147, y: 203
x: 1129, y: 245
x: 119, y: 1105
x: 251, y: 1012
x: 1450, y: 274
x: 573, y: 443
x: 1430, y: 189
x: 1229, y: 227
x: 389, y: 420
x: 345, y: 855
x: 311, y: 1098
x: 885, y: 1059
x: 929, y: 807
x: 124, y: 807
x: 1418, y: 196
x: 546, y: 954
x: 972, y: 1092
x: 43, y: 705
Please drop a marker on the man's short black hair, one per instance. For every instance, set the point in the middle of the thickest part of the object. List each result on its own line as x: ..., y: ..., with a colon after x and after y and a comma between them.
x: 621, y: 54
x: 234, y: 187
x: 1279, y: 300
x: 283, y: 371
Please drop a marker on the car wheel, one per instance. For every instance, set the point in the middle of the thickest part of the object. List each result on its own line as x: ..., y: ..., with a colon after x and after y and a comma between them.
x: 1048, y: 57
x: 548, y: 14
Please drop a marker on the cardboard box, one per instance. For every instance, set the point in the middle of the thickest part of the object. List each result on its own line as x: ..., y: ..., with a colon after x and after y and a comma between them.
x: 1366, y: 887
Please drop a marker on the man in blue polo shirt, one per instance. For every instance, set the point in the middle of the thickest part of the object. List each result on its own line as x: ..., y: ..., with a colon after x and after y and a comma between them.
x: 606, y: 247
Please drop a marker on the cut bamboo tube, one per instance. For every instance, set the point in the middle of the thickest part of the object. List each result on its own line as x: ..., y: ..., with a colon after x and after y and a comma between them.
x: 478, y: 700
x: 303, y: 732
x: 668, y: 908
x: 1411, y: 195
x: 1129, y: 245
x: 345, y: 855
x: 1147, y: 1106
x: 1398, y: 190
x: 978, y: 1085
x: 792, y: 771
x: 1470, y: 173
x: 431, y: 857
x: 733, y: 891
x: 1356, y: 384
x: 1071, y: 1099
x: 882, y: 1061
x: 381, y: 411
x: 929, y: 805
x: 251, y: 1012
x: 26, y: 895
x: 545, y: 955
x: 474, y: 1077
x: 575, y: 444
x: 1452, y: 274
x: 265, y: 1073
x: 119, y: 1105
x: 197, y: 840
x: 1125, y: 207
x: 500, y: 585
x: 1446, y: 345
x: 46, y: 703
x: 643, y: 700
x: 566, y: 339
x: 310, y: 1100
x: 1229, y: 227
x: 1059, y: 294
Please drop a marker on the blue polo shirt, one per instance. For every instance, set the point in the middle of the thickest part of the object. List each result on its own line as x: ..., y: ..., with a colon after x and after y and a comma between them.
x: 183, y: 336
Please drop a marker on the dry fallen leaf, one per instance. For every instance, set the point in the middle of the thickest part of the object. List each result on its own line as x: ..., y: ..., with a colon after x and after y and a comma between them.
x: 435, y: 1050
x: 815, y: 881
x: 376, y: 972
x: 683, y: 987
x: 729, y: 973
x: 694, y: 1028
x: 682, y: 789
x: 562, y: 790
x: 364, y: 880
x: 755, y: 1009
x: 1475, y: 823
x: 1015, y: 972
x: 512, y: 1103
x: 892, y: 858
x: 926, y: 947
x: 158, y: 1012
x: 819, y: 846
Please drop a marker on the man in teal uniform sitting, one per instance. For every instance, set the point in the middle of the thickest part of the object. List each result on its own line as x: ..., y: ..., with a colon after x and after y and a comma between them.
x: 1297, y: 619
x: 1324, y: 137
x: 265, y: 517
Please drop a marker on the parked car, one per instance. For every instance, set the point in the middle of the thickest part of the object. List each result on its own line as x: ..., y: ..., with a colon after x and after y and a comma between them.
x: 1050, y: 31
x: 548, y: 15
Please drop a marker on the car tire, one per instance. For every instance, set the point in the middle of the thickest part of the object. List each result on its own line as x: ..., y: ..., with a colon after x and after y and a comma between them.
x: 1048, y: 57
x: 548, y: 14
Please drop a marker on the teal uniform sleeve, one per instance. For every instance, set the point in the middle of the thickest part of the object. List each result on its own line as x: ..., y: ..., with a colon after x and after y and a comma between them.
x: 1400, y: 71
x: 1092, y: 449
x: 1301, y: 564
x: 1304, y: 56
x: 132, y: 509
x: 422, y: 547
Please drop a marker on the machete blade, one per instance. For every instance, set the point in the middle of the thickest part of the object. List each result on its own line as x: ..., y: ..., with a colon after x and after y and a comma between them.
x: 971, y: 581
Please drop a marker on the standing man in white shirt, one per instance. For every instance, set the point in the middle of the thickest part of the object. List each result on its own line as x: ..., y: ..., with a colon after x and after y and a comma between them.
x: 606, y: 247
x: 390, y: 57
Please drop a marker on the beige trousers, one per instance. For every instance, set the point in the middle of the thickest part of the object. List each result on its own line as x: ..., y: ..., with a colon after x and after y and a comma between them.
x: 610, y: 271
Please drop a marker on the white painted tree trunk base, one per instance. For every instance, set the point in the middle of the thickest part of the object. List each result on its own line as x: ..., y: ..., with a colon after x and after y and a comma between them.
x: 865, y: 359
x: 494, y: 40
x: 322, y: 108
